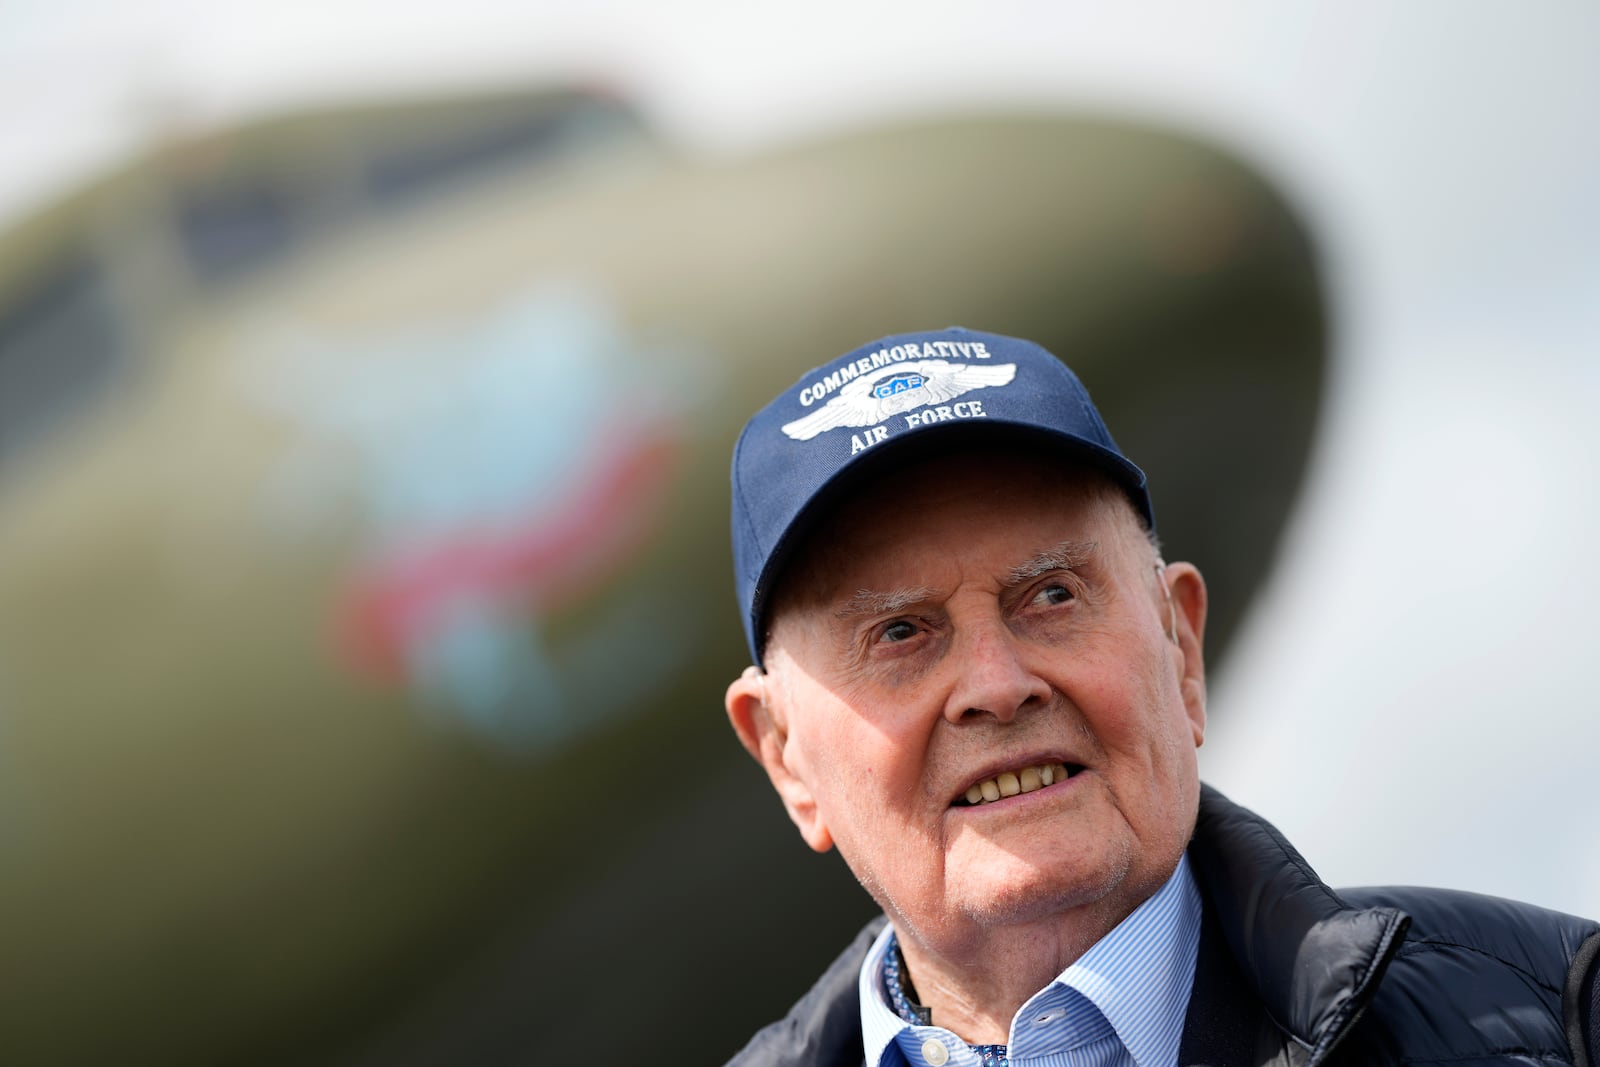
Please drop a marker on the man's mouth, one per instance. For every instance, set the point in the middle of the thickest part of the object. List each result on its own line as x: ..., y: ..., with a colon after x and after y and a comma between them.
x: 1014, y: 782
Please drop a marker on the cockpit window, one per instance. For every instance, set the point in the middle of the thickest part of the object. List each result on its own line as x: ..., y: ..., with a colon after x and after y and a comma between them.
x: 59, y: 345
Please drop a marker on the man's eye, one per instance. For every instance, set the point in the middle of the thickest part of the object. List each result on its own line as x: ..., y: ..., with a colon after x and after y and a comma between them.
x: 899, y: 630
x: 1055, y: 593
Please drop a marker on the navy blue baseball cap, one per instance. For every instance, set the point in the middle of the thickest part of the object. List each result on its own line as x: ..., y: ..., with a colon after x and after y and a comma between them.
x: 905, y: 392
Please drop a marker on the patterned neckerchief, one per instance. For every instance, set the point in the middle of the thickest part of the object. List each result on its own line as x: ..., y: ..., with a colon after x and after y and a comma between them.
x: 901, y: 993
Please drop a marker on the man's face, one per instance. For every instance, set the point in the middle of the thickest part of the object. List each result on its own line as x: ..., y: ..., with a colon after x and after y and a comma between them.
x: 962, y: 622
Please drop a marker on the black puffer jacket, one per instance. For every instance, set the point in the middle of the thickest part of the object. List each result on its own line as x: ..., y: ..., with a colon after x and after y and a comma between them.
x: 1291, y: 972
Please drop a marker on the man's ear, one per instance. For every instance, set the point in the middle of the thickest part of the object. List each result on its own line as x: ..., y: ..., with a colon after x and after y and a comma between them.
x: 1189, y: 604
x: 762, y: 726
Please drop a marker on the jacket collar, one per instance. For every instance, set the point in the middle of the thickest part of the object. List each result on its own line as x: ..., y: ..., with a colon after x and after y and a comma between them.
x: 1312, y: 960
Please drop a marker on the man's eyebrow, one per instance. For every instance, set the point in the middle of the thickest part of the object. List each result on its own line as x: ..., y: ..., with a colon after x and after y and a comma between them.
x: 1068, y: 555
x: 874, y: 602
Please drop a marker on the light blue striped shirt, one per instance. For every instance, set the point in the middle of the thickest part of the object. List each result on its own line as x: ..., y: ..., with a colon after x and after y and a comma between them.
x: 1121, y: 1004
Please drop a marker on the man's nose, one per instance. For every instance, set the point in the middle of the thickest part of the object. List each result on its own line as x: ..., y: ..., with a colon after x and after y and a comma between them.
x: 994, y: 676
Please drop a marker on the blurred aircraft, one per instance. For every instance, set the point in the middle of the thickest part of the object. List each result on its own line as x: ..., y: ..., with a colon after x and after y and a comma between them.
x: 364, y: 597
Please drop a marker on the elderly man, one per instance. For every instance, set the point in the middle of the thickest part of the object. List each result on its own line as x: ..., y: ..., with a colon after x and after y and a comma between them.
x: 977, y: 678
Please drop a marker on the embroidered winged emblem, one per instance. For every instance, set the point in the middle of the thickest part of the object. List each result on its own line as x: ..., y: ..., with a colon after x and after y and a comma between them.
x: 901, y: 387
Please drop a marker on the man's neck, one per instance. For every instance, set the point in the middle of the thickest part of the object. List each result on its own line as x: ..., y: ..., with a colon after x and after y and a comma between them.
x: 975, y: 987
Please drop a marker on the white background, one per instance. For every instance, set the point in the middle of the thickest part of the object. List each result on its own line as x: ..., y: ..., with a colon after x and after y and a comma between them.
x: 1412, y: 698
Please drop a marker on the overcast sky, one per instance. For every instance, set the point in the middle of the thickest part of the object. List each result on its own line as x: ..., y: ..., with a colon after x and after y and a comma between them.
x: 1412, y: 699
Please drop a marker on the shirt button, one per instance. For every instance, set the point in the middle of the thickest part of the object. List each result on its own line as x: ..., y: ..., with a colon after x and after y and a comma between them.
x: 934, y: 1052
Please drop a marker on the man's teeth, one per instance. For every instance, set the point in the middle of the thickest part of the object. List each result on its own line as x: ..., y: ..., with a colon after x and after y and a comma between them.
x: 1011, y: 783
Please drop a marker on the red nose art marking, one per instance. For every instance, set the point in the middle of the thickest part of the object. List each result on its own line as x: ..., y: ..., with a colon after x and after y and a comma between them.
x: 545, y: 558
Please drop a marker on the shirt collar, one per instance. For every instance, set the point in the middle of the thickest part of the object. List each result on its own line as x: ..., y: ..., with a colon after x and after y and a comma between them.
x: 1139, y: 976
x: 879, y: 1024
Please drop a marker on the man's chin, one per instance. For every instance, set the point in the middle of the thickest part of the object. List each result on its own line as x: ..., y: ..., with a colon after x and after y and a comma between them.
x: 1012, y: 891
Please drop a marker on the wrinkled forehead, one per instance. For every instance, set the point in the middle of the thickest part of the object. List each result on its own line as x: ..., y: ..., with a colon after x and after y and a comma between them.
x: 891, y: 504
